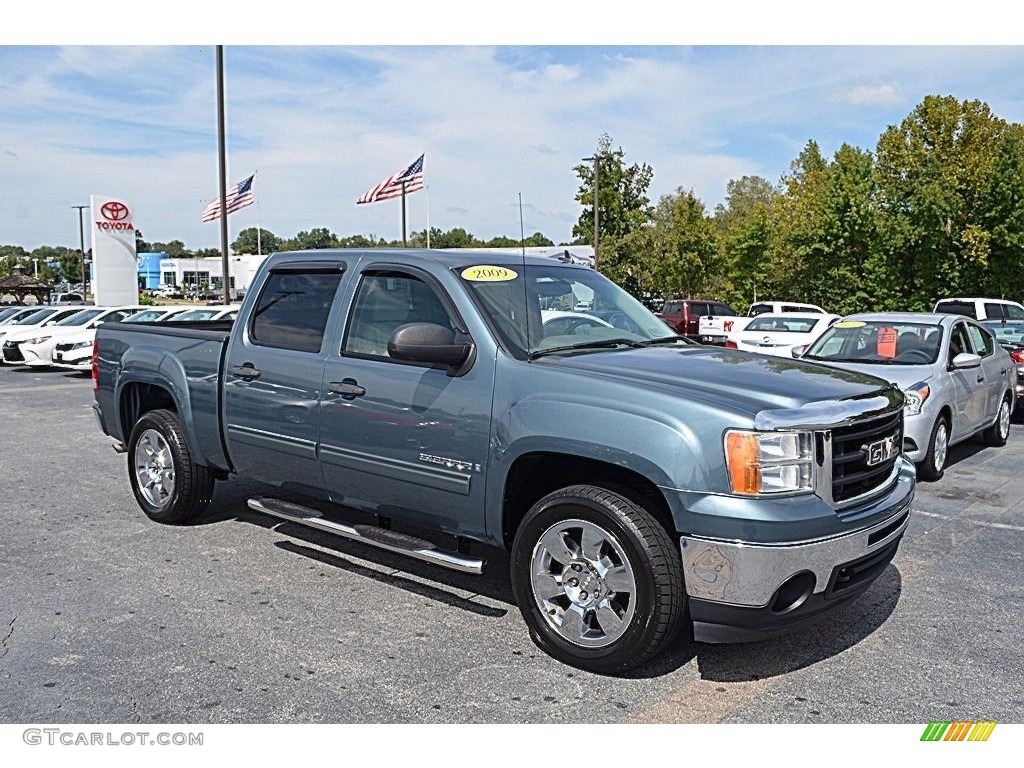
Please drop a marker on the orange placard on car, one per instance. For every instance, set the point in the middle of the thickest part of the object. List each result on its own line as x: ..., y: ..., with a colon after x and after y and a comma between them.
x: 886, y: 346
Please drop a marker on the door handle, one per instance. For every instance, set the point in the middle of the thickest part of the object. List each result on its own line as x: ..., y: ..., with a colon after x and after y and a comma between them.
x: 347, y: 388
x: 247, y: 371
x: 981, y: 379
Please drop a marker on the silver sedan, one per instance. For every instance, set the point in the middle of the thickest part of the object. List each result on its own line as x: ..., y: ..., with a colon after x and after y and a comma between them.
x: 957, y: 380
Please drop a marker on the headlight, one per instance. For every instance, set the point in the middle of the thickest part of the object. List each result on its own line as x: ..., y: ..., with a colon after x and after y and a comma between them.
x: 39, y: 340
x: 916, y: 395
x: 82, y: 345
x: 769, y: 462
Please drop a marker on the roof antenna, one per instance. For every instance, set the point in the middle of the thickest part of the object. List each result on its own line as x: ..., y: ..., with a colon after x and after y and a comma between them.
x: 526, y: 292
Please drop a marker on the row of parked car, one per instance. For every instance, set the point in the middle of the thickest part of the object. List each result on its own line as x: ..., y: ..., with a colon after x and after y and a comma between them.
x: 961, y: 366
x: 62, y: 336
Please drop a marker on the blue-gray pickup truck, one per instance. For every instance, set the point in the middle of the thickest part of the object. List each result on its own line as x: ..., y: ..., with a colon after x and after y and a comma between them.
x: 641, y: 483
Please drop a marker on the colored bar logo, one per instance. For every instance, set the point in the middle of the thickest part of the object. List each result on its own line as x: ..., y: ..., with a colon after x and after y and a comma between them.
x: 959, y: 730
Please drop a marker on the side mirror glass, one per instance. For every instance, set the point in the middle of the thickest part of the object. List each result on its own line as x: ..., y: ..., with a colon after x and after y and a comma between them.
x: 427, y: 343
x: 966, y: 360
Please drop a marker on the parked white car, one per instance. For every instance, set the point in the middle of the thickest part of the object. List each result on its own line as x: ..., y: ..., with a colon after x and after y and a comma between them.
x: 35, y: 346
x: 43, y: 316
x: 216, y: 312
x: 75, y: 351
x: 981, y: 309
x: 713, y: 329
x: 157, y: 314
x: 782, y: 335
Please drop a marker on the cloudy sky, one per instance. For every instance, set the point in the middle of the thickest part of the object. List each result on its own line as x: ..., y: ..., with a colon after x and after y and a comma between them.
x: 320, y: 124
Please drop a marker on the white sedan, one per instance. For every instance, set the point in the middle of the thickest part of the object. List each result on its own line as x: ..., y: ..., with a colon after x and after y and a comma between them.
x: 781, y: 335
x: 35, y: 347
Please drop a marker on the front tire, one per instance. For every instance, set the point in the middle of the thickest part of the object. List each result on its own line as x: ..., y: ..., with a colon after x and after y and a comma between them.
x: 998, y: 433
x: 934, y: 464
x: 598, y: 580
x: 168, y: 485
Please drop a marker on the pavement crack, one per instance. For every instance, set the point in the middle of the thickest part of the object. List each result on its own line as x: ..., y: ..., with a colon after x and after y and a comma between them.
x: 5, y: 645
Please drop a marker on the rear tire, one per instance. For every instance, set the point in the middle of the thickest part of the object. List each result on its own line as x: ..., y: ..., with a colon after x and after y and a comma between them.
x: 998, y: 433
x: 168, y: 485
x: 598, y: 580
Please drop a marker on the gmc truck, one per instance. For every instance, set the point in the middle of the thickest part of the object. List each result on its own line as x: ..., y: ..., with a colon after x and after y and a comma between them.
x: 641, y: 483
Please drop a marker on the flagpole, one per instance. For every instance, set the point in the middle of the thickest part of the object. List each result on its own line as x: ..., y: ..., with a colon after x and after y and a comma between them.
x: 426, y: 188
x: 259, y: 227
x: 403, y: 215
x: 222, y: 152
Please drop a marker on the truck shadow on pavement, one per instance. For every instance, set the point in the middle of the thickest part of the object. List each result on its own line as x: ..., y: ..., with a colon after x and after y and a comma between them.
x: 490, y: 595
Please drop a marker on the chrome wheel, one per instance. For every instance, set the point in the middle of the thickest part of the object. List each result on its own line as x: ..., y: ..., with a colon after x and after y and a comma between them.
x: 154, y: 468
x: 1004, y: 419
x: 583, y: 583
x: 941, y: 446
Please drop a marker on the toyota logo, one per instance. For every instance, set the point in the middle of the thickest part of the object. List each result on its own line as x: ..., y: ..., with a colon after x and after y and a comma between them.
x: 114, y: 211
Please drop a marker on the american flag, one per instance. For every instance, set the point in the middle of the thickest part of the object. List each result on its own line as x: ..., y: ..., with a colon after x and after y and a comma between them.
x: 238, y: 196
x: 391, y: 187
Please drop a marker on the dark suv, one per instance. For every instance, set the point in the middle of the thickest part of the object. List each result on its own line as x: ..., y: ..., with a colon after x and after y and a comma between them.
x: 682, y: 314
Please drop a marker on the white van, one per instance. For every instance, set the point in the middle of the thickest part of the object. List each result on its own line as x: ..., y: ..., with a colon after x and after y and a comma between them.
x: 981, y: 309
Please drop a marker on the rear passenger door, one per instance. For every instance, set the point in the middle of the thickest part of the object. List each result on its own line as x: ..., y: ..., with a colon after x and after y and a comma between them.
x: 403, y: 439
x: 968, y: 386
x: 272, y: 376
x: 994, y: 368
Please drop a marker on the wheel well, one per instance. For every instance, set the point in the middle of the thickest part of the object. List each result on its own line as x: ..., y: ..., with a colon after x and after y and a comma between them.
x: 535, y: 475
x: 947, y: 413
x: 137, y: 399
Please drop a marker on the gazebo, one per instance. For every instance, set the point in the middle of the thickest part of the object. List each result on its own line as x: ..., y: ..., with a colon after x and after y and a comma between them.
x: 20, y: 285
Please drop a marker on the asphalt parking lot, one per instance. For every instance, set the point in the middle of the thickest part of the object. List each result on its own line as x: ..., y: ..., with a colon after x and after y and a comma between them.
x: 106, y: 617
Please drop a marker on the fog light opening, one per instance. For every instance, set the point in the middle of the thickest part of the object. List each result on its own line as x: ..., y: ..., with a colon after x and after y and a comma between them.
x: 793, y: 592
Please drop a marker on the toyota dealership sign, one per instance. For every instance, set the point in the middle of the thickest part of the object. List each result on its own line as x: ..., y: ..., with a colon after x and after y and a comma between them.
x: 115, y: 269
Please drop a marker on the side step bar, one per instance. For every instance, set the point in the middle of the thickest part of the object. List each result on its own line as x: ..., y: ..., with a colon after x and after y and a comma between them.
x: 370, y: 535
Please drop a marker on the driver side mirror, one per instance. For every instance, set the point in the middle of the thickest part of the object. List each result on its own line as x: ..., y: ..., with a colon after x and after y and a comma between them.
x: 965, y: 360
x: 430, y: 343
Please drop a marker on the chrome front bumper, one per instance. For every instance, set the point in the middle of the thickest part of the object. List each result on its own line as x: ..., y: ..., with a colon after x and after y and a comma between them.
x: 749, y: 575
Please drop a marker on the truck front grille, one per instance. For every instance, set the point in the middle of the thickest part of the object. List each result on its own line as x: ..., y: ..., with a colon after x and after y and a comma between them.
x: 853, y: 474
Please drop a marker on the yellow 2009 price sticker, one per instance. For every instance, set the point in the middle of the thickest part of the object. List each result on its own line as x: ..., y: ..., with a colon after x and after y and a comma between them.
x: 486, y: 273
x: 850, y: 324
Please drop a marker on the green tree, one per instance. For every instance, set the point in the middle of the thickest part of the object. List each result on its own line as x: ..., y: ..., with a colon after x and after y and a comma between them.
x: 935, y: 173
x: 9, y: 256
x: 320, y: 237
x: 247, y: 241
x: 175, y: 249
x: 1003, y: 217
x: 744, y: 225
x: 623, y: 204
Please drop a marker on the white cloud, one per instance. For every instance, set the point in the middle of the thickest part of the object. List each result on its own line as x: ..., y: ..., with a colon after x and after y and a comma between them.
x: 888, y: 94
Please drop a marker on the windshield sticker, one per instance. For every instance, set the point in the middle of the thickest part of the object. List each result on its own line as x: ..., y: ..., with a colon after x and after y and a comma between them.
x: 849, y: 324
x: 886, y: 346
x: 486, y: 273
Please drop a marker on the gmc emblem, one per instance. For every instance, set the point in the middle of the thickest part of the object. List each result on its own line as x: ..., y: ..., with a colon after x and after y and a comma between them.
x: 881, y: 450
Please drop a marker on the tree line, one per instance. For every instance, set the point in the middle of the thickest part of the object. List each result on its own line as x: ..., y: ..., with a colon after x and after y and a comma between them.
x: 935, y: 209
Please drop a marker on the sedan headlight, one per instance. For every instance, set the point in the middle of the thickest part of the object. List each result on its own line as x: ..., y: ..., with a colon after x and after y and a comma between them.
x: 82, y: 345
x: 915, y: 395
x: 39, y: 340
x: 769, y: 462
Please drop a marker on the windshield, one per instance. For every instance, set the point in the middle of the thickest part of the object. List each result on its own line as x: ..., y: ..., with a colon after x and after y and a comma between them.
x: 882, y: 342
x: 145, y: 316
x: 36, y: 317
x: 542, y: 309
x: 194, y: 314
x: 80, y: 318
x: 783, y: 324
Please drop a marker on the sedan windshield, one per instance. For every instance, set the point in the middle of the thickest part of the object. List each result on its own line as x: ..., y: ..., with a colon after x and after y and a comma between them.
x: 881, y: 342
x: 36, y: 317
x: 80, y: 318
x: 540, y: 309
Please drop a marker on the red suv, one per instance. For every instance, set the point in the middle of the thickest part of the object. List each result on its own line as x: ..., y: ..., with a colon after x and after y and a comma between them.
x: 682, y: 314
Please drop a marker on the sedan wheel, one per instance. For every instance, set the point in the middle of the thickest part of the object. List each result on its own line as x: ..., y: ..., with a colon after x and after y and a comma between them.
x: 999, y: 432
x: 934, y: 463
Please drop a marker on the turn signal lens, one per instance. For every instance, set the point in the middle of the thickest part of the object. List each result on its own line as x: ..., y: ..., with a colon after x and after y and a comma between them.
x: 743, y: 456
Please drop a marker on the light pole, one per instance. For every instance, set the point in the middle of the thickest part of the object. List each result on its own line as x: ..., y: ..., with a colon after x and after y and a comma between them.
x: 81, y: 243
x: 597, y: 215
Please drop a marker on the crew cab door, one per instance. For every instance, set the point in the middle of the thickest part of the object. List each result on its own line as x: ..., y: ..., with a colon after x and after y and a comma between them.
x: 273, y: 372
x: 993, y: 369
x: 969, y: 389
x: 401, y: 439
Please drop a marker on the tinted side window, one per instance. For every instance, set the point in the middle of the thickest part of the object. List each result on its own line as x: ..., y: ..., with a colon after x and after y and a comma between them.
x: 983, y: 344
x: 699, y: 308
x: 1013, y: 312
x: 292, y: 310
x: 759, y: 309
x: 385, y: 301
x: 723, y: 309
x: 672, y: 308
x: 994, y: 311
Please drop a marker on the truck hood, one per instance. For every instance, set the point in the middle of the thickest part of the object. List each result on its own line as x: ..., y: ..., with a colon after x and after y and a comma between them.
x: 734, y: 378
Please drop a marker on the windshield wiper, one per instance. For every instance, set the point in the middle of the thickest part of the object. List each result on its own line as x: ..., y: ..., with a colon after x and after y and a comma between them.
x: 586, y: 345
x: 666, y: 340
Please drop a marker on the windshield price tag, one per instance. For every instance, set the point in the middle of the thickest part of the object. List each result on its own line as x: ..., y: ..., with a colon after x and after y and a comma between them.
x: 486, y: 273
x: 886, y: 346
